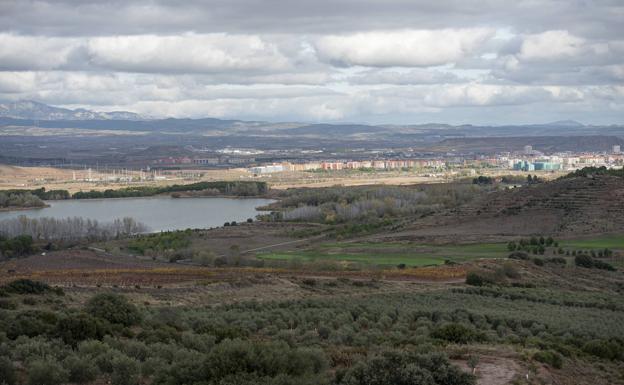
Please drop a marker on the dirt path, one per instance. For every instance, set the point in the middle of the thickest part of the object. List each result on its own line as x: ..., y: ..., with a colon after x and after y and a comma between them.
x: 493, y: 370
x: 282, y: 244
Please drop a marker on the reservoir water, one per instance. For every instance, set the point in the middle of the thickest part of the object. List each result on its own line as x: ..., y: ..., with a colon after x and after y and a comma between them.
x: 158, y: 213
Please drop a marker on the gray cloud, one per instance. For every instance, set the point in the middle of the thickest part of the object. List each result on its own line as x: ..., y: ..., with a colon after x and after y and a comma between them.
x: 393, y: 60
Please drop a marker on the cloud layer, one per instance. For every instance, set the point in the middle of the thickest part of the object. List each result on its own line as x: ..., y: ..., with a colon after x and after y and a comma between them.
x: 389, y: 61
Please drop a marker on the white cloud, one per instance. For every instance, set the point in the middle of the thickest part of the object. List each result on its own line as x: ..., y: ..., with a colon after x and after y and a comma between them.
x: 413, y: 76
x: 402, y: 48
x: 19, y: 52
x: 551, y: 45
x: 186, y: 53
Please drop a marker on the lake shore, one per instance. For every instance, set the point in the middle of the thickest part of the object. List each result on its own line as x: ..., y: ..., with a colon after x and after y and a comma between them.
x: 17, y: 208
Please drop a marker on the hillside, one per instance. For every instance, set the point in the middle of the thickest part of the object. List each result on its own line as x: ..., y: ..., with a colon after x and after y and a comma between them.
x: 28, y: 109
x: 574, y: 206
x: 603, y: 142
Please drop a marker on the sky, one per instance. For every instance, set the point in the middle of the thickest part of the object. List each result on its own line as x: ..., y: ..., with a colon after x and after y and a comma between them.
x: 389, y: 61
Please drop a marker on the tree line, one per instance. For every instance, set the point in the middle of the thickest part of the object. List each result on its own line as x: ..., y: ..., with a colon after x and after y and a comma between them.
x: 350, y: 204
x: 592, y: 171
x: 69, y: 229
x: 18, y: 199
x: 233, y: 188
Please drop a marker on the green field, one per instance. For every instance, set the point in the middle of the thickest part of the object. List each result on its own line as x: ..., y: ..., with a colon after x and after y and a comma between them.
x: 413, y: 254
x: 615, y: 242
x: 386, y: 254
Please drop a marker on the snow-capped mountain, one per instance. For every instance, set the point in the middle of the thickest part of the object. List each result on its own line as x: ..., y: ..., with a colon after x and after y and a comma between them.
x: 28, y: 109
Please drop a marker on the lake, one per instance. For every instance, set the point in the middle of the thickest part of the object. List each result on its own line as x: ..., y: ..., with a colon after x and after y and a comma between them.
x: 158, y: 213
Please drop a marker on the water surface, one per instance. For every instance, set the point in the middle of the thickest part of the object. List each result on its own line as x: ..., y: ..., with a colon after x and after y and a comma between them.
x: 158, y: 213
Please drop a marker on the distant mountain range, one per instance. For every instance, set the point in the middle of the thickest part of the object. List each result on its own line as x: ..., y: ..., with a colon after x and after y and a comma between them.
x: 28, y: 109
x: 23, y: 114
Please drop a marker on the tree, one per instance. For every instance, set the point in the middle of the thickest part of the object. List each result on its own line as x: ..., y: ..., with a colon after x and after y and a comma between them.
x: 584, y: 260
x: 474, y: 279
x: 125, y: 371
x: 399, y: 368
x: 7, y: 372
x: 456, y: 333
x: 76, y: 328
x: 114, y: 308
x: 81, y: 369
x: 473, y: 361
x: 46, y: 372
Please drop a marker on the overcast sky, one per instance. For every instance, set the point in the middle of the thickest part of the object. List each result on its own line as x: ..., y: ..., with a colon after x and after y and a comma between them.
x: 387, y: 61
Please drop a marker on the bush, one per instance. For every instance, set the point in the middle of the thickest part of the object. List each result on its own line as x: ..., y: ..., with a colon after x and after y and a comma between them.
x: 46, y: 372
x: 125, y: 371
x: 475, y: 279
x: 510, y: 271
x: 401, y: 368
x: 549, y: 357
x: 7, y: 372
x: 518, y: 255
x: 7, y: 304
x: 603, y: 265
x: 114, y: 308
x: 18, y: 246
x: 588, y: 262
x: 26, y: 286
x: 457, y: 333
x: 80, y: 369
x: 538, y: 261
x: 583, y: 260
x: 556, y: 260
x: 31, y: 323
x: 73, y: 329
x: 604, y: 349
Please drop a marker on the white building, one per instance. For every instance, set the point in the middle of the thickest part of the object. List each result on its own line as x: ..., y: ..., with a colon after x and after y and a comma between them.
x: 267, y: 169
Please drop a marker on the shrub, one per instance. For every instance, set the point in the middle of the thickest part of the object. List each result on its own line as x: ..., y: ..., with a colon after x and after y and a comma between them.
x: 26, y: 286
x: 510, y: 271
x: 7, y: 372
x: 556, y: 260
x: 80, y: 369
x: 603, y: 265
x: 404, y: 369
x: 475, y: 279
x: 73, y: 329
x: 114, y: 308
x: 457, y: 333
x: 538, y: 261
x: 18, y: 246
x: 549, y: 357
x: 46, y: 372
x: 584, y: 260
x: 7, y: 304
x: 518, y: 255
x: 31, y: 323
x: 604, y: 349
x: 125, y: 371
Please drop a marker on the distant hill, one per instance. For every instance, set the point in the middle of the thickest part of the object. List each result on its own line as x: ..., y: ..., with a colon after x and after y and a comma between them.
x: 571, y: 206
x: 539, y: 143
x: 29, y: 109
x: 334, y: 129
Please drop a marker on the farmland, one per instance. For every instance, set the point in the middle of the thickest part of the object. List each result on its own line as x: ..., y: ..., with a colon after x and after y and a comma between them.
x: 393, y: 254
x: 354, y: 291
